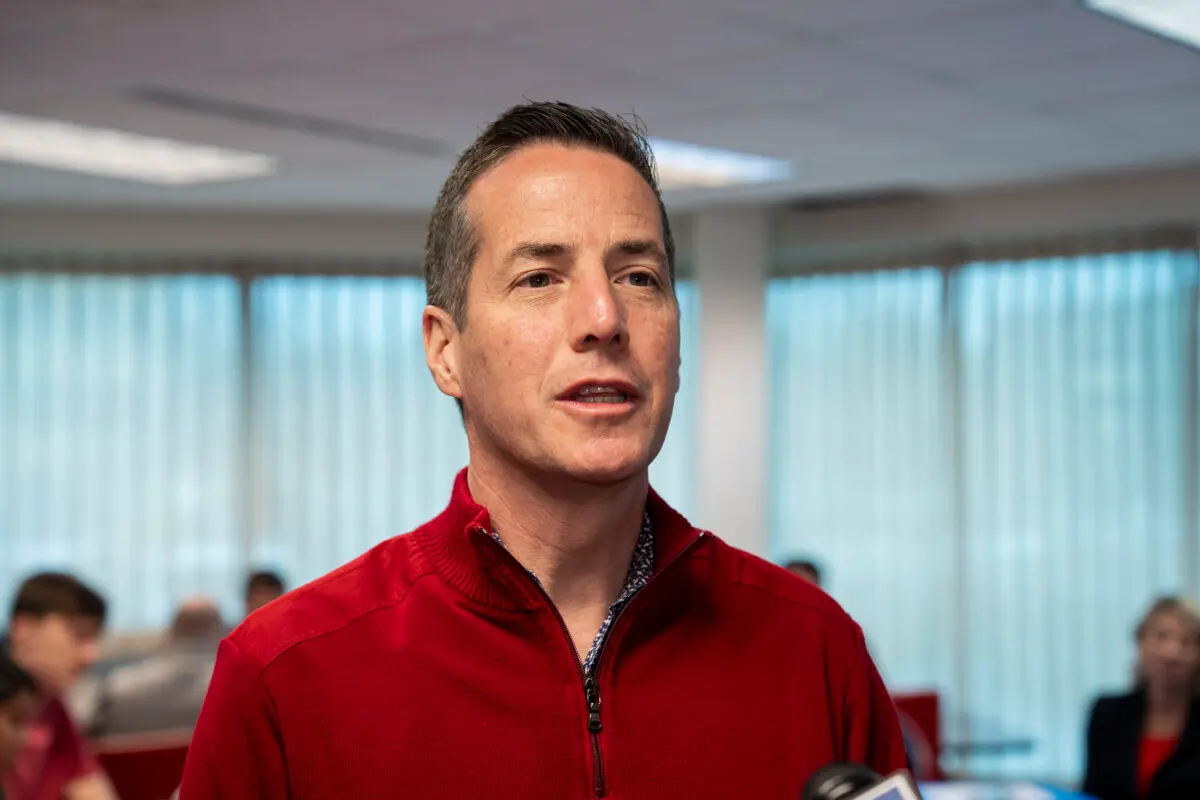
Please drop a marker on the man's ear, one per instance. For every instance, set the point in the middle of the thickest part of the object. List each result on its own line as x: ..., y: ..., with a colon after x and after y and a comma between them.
x: 441, y: 349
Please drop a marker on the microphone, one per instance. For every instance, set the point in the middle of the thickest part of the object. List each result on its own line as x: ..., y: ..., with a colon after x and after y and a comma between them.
x: 839, y: 781
x: 857, y: 782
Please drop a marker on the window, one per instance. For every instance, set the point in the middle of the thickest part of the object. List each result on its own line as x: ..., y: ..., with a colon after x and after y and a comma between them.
x: 998, y: 482
x: 118, y: 424
x: 1075, y: 454
x: 673, y: 473
x: 860, y: 475
x: 354, y: 442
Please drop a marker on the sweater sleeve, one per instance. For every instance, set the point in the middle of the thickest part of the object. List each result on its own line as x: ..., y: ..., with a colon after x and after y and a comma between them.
x: 236, y: 752
x: 872, y: 734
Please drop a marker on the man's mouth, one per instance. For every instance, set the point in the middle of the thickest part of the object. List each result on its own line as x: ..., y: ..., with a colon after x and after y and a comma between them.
x: 600, y: 393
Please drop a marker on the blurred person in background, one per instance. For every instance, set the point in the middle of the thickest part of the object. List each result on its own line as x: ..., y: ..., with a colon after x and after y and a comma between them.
x: 53, y: 635
x: 558, y: 631
x: 805, y: 568
x: 18, y: 705
x: 165, y: 690
x: 261, y: 588
x: 1145, y: 745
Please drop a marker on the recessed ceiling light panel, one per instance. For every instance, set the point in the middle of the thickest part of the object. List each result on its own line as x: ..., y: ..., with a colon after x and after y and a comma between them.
x: 1174, y: 19
x: 689, y: 166
x: 128, y: 156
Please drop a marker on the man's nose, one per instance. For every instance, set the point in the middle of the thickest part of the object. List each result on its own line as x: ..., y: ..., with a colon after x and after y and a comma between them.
x: 596, y: 315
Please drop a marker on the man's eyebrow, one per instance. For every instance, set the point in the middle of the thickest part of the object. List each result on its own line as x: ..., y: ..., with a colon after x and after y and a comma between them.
x: 544, y: 251
x: 538, y: 251
x: 640, y: 247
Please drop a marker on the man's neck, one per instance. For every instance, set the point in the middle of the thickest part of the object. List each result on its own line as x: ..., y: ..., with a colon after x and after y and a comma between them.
x: 577, y: 539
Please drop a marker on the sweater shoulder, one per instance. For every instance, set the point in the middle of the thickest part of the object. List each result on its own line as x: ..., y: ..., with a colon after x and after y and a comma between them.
x: 782, y: 592
x: 380, y: 578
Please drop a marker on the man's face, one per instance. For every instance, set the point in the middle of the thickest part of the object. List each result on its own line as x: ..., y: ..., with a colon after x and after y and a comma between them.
x: 56, y: 649
x: 568, y: 362
x: 16, y: 714
x: 259, y: 596
x: 807, y: 573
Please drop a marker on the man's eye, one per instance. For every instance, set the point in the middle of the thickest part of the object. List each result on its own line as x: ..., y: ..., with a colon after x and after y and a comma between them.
x: 645, y: 279
x: 538, y: 280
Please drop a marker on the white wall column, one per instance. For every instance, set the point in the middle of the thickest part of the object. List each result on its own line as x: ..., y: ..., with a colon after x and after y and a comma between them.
x: 730, y: 256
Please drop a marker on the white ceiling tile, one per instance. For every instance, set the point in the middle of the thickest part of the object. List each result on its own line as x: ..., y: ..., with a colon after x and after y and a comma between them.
x: 915, y: 108
x: 231, y: 40
x: 1092, y: 156
x: 801, y: 76
x: 657, y: 39
x: 48, y: 18
x: 1018, y: 42
x: 470, y: 73
x: 458, y: 123
x: 804, y: 139
x: 1022, y: 133
x: 838, y: 17
x: 1157, y: 69
x: 1170, y: 117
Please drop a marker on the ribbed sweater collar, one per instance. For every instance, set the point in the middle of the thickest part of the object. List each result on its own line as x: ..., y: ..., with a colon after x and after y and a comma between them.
x: 458, y: 545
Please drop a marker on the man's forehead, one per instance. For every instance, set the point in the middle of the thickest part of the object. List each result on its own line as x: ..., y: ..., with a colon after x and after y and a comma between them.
x: 550, y: 180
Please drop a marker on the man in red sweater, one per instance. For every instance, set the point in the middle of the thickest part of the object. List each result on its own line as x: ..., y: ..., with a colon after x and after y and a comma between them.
x: 558, y: 631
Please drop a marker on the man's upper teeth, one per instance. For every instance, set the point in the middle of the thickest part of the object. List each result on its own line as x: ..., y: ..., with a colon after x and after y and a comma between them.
x: 598, y: 390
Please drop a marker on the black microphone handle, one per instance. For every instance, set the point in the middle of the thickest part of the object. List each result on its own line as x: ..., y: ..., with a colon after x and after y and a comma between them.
x: 838, y: 781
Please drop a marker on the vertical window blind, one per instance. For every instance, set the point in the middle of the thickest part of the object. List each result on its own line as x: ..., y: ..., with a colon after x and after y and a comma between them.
x: 993, y: 461
x: 118, y: 429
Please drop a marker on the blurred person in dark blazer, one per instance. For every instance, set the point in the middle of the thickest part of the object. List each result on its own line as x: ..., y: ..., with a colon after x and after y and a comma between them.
x: 164, y: 691
x: 1145, y: 745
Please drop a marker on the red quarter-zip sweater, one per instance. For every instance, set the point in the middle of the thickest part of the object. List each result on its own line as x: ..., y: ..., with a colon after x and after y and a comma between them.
x: 434, y: 666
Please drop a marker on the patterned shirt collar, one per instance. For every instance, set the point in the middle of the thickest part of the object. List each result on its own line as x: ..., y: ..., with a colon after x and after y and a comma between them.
x: 641, y: 567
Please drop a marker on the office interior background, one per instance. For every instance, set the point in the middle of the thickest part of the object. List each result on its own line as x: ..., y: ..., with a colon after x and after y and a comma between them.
x: 939, y: 282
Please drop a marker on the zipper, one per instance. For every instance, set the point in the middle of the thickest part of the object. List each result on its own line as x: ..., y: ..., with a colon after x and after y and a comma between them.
x: 591, y: 693
x: 591, y: 688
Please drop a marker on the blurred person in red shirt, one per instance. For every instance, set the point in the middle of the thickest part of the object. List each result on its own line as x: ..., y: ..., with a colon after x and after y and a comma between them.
x: 52, y: 635
x: 1145, y: 745
x: 18, y: 704
x: 558, y: 631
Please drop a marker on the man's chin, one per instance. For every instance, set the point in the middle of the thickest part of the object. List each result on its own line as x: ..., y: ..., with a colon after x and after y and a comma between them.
x: 605, y: 472
x: 606, y: 463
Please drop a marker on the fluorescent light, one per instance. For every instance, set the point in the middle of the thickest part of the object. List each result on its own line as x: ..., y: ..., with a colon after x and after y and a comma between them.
x: 682, y: 165
x: 116, y: 154
x: 1174, y: 19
